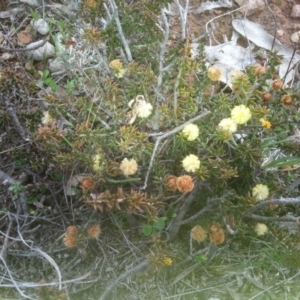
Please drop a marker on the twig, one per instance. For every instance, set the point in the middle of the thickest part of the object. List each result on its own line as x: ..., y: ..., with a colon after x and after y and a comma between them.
x: 120, y: 30
x: 275, y: 20
x: 183, y: 17
x: 45, y: 255
x: 123, y: 276
x: 15, y: 284
x: 14, y: 118
x: 228, y: 13
x: 34, y: 47
x: 165, y: 135
x: 34, y: 284
x: 273, y: 219
x: 3, y: 252
x: 22, y: 197
x: 163, y: 50
x: 275, y: 201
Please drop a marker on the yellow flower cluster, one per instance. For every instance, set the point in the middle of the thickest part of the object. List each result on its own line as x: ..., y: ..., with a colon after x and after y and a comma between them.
x: 117, y: 66
x: 139, y: 108
x: 128, y: 166
x: 214, y: 73
x: 265, y: 123
x: 228, y: 125
x: 261, y: 229
x: 190, y: 132
x: 167, y: 261
x: 191, y: 163
x: 260, y: 192
x: 198, y: 234
x: 240, y: 114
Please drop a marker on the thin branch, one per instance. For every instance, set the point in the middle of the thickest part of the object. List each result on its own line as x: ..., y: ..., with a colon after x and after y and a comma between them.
x: 123, y: 276
x: 3, y: 252
x: 183, y: 17
x: 45, y: 255
x: 275, y: 201
x: 120, y: 30
x: 165, y: 135
x: 34, y: 47
x: 14, y: 117
x: 163, y: 49
x: 273, y: 219
x: 15, y: 284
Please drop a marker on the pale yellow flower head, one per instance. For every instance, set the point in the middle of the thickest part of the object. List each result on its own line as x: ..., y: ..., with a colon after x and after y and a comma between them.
x: 167, y: 261
x: 144, y: 110
x: 228, y: 125
x: 265, y: 123
x: 96, y: 162
x: 198, y: 234
x: 140, y: 107
x: 261, y: 229
x: 236, y: 74
x: 47, y: 119
x: 260, y: 192
x: 214, y: 74
x: 117, y: 66
x: 190, y: 132
x: 241, y: 114
x: 128, y: 166
x: 191, y: 163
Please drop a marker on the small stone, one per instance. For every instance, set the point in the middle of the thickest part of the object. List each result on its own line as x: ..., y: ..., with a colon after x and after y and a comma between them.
x: 41, y: 26
x: 7, y: 56
x: 280, y: 32
x: 295, y: 37
x: 295, y: 11
x: 41, y: 53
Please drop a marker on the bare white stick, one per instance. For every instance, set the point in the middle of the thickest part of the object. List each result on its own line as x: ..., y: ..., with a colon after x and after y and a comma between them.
x: 165, y: 135
x: 183, y: 17
x: 120, y: 30
x: 45, y: 255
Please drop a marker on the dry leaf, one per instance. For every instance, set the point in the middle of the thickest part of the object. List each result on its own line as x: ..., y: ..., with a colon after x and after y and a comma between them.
x: 24, y: 37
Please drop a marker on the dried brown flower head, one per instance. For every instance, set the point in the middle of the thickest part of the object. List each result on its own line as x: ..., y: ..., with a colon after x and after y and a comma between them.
x: 277, y: 84
x: 259, y: 70
x: 217, y: 234
x: 70, y: 239
x: 198, y: 234
x: 87, y: 183
x: 217, y: 237
x: 185, y: 184
x: 171, y: 183
x: 94, y: 231
x: 287, y: 100
x: 266, y: 96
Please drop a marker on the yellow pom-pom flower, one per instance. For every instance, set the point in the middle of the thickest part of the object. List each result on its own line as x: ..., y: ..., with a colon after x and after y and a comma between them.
x: 261, y: 229
x: 241, y: 114
x: 214, y: 74
x: 260, y: 192
x: 265, y: 123
x: 191, y: 163
x: 228, y: 125
x: 190, y: 132
x: 198, y: 234
x: 129, y: 166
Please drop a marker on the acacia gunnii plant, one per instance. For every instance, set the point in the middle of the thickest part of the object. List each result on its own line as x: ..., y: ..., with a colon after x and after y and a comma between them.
x: 142, y: 130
